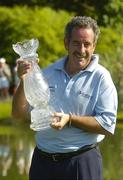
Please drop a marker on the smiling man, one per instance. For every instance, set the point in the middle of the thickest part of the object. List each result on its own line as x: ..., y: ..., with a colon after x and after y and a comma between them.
x: 88, y: 99
x: 80, y: 48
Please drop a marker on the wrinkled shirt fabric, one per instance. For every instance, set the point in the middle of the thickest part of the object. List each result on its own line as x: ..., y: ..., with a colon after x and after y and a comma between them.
x: 91, y: 92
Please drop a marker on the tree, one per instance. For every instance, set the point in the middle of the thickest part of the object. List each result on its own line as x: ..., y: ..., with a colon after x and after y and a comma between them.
x: 107, y: 12
x: 19, y: 23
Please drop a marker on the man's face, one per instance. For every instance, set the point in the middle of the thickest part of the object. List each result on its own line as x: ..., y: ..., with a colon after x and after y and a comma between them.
x: 80, y: 48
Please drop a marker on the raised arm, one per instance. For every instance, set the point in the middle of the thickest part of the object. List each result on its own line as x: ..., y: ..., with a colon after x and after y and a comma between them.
x: 20, y: 106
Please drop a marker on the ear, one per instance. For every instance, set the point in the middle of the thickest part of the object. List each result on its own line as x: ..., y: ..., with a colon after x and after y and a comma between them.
x: 66, y: 43
x: 94, y: 46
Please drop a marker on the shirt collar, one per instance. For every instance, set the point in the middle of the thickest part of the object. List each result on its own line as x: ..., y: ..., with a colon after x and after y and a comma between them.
x: 91, y: 67
x: 59, y: 65
x: 93, y: 64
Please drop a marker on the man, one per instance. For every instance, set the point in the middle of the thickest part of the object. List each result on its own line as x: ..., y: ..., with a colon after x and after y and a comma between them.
x: 69, y: 150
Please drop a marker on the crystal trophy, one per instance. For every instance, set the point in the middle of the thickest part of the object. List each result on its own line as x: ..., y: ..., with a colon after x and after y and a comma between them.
x: 35, y: 86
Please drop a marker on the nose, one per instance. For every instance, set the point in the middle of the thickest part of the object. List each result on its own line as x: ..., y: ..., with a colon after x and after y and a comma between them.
x: 82, y: 48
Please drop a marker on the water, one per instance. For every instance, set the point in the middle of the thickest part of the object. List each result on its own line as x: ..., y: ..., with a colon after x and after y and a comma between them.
x: 17, y: 144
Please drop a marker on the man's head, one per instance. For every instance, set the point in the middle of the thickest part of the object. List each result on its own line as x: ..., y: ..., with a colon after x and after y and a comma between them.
x: 81, y: 35
x: 82, y: 22
x: 2, y: 61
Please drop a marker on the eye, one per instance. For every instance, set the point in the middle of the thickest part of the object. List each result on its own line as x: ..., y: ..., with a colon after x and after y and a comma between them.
x: 76, y: 43
x: 86, y: 44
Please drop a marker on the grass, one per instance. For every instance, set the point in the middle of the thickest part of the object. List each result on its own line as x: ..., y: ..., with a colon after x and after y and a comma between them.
x: 120, y: 116
x: 5, y: 109
x: 6, y: 106
x: 8, y: 130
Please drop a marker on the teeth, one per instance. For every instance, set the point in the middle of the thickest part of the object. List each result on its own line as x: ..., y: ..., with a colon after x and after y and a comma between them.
x: 80, y: 56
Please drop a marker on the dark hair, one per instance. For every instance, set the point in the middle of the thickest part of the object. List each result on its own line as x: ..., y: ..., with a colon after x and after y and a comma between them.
x: 84, y: 22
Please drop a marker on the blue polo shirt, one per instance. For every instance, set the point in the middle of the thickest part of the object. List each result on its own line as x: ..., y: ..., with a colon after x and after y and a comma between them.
x: 91, y: 92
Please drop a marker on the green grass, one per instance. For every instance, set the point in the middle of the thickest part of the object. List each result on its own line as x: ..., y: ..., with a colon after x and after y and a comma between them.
x: 8, y: 130
x: 6, y: 106
x: 120, y: 115
x: 5, y: 109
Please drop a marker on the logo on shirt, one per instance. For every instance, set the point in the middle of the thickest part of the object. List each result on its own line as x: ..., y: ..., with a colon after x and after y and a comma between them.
x: 85, y: 94
x: 52, y: 88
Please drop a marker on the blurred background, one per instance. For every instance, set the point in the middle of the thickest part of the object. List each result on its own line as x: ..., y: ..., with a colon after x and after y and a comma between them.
x: 45, y: 20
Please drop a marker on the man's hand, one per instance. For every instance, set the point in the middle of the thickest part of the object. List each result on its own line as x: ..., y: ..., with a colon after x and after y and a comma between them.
x: 59, y: 120
x: 23, y: 67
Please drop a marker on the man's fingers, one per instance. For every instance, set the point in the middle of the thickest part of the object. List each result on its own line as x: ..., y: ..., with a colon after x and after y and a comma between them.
x: 59, y: 114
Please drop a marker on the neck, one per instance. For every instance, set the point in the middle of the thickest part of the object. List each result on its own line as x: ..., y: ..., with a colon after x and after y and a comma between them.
x: 70, y: 69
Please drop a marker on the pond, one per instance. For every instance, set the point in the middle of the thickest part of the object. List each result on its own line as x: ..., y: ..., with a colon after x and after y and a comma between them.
x: 17, y: 144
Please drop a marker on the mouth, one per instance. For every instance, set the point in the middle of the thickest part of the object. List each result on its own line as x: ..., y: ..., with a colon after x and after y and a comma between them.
x: 80, y: 56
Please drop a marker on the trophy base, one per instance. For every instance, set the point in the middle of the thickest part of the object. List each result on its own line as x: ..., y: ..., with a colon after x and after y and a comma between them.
x: 40, y: 119
x: 38, y: 127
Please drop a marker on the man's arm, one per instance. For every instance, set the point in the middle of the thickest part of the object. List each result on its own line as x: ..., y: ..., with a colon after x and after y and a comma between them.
x: 20, y: 106
x: 87, y: 123
x: 104, y: 120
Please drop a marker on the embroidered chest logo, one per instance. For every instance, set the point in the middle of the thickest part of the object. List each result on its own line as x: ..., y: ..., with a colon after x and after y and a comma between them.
x: 84, y: 94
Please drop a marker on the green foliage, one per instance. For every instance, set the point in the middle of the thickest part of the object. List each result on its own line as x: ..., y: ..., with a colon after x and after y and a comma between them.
x: 108, y: 45
x: 21, y: 23
x: 46, y: 24
x: 113, y: 13
x: 107, y: 12
x: 110, y: 49
x: 107, y: 41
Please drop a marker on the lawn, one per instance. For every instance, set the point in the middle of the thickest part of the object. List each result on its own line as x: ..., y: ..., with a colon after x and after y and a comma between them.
x: 5, y: 109
x: 6, y: 106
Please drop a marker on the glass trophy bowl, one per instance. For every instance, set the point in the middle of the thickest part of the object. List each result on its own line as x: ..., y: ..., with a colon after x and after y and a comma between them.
x: 26, y: 48
x: 35, y: 86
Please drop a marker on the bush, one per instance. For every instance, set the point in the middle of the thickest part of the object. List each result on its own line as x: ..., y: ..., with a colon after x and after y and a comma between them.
x: 20, y: 23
